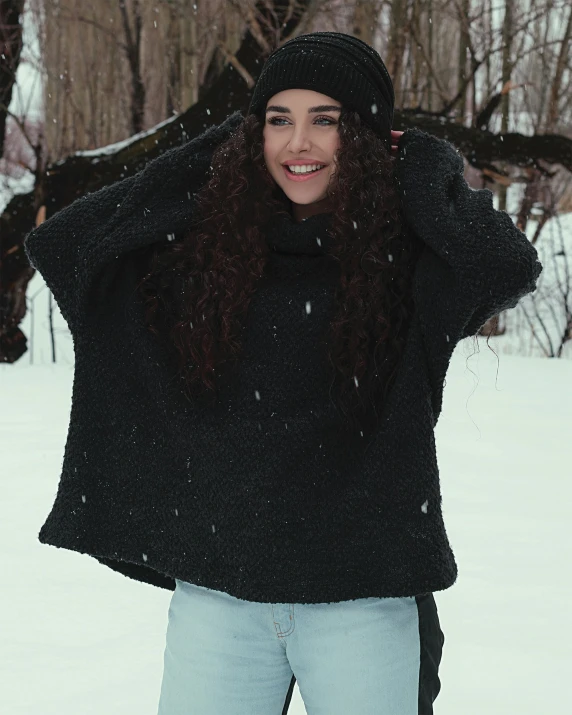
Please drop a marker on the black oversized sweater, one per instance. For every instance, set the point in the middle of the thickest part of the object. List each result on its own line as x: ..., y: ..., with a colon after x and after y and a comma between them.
x: 266, y: 494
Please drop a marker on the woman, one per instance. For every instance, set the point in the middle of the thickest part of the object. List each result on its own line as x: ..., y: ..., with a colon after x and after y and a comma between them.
x: 263, y: 319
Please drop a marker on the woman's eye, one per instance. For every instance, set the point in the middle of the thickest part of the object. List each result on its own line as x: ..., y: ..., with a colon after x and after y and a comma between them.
x: 325, y: 121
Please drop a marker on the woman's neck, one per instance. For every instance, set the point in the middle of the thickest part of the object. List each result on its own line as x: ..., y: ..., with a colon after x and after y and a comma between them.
x: 303, y: 211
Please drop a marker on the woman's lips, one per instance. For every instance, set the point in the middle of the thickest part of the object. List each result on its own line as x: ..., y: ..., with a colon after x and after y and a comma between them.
x: 302, y: 177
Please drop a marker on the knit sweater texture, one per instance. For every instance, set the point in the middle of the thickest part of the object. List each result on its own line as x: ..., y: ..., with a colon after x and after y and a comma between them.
x: 266, y: 494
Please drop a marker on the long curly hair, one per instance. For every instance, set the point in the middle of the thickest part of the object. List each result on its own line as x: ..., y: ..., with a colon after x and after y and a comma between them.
x: 217, y: 263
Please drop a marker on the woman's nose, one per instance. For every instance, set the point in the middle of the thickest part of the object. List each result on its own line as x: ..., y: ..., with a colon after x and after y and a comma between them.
x: 299, y: 140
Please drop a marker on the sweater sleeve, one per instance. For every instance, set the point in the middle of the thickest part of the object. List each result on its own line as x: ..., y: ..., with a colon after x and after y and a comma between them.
x: 74, y: 247
x: 493, y: 264
x: 475, y: 262
x: 55, y: 247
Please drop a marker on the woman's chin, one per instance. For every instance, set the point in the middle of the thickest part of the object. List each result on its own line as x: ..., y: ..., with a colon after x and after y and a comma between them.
x: 304, y: 198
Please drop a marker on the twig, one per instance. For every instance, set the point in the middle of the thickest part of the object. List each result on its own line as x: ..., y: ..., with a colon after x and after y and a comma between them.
x: 238, y: 66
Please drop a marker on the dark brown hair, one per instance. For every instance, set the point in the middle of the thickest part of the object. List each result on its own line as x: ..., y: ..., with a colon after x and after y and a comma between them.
x: 220, y: 259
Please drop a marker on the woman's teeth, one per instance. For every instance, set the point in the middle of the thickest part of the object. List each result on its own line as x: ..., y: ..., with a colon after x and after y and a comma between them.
x: 304, y: 168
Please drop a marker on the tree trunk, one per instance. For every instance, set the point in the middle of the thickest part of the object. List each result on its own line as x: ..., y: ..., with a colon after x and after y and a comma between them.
x: 553, y: 114
x: 506, y: 73
x: 133, y: 50
x: 10, y: 51
x: 543, y: 60
x: 493, y: 326
x: 431, y: 54
x: 462, y: 61
x: 396, y: 49
x: 416, y: 57
x: 364, y: 19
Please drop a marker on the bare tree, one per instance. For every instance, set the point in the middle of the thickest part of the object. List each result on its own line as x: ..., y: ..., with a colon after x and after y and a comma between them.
x: 507, y: 37
x: 561, y: 63
x: 364, y: 19
x: 397, y: 41
x: 13, y: 277
x: 10, y: 51
x: 132, y: 30
x: 464, y: 42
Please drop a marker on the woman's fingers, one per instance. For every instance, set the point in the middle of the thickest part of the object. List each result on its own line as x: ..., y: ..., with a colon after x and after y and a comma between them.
x: 395, y: 136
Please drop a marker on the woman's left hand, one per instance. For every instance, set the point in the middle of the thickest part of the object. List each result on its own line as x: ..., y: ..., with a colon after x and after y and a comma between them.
x: 395, y: 136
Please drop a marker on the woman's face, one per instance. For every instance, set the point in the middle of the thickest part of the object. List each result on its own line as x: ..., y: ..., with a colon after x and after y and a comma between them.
x: 300, y: 136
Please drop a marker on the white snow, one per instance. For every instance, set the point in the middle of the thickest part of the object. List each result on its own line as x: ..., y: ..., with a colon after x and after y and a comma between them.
x: 118, y: 146
x: 11, y: 186
x: 78, y: 637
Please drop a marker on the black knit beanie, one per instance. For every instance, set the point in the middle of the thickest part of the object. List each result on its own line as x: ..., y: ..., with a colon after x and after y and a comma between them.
x: 333, y: 63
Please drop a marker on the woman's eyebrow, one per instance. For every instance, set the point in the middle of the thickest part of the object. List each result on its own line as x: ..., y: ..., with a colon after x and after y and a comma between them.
x: 311, y: 110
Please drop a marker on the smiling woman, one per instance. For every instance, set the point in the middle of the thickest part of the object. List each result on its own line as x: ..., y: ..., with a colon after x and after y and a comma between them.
x: 301, y: 139
x: 301, y: 227
x: 263, y: 319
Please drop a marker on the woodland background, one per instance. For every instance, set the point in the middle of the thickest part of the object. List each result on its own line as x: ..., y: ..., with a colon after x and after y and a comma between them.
x: 121, y: 81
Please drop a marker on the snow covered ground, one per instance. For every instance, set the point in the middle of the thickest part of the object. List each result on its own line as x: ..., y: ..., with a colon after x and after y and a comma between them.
x: 79, y: 638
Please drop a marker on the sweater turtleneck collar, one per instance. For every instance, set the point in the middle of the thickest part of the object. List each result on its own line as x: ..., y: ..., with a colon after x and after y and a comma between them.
x: 309, y: 236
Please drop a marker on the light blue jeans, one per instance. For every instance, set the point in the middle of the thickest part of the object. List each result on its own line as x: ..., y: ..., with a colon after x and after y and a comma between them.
x: 227, y: 656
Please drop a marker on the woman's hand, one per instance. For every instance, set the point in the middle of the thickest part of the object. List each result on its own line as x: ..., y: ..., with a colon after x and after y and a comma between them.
x: 395, y: 136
